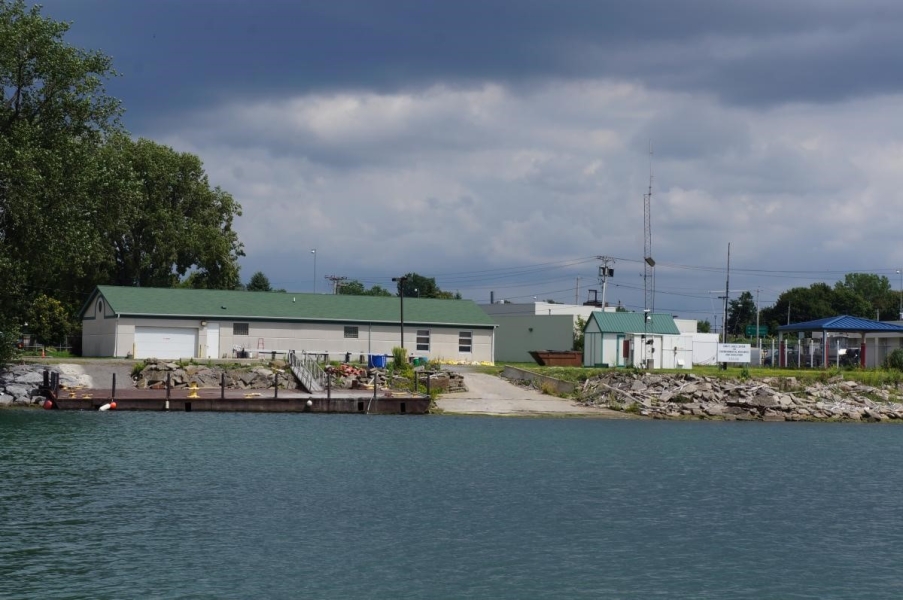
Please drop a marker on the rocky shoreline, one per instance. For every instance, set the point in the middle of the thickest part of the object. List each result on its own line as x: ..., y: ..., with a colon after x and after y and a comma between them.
x: 688, y: 396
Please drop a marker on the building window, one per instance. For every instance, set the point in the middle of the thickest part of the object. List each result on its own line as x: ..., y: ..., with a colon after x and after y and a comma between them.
x: 465, y: 341
x: 100, y: 307
x: 423, y: 340
x: 351, y: 331
x: 239, y: 329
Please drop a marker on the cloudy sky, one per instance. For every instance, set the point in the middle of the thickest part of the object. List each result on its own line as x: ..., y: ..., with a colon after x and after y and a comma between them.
x: 502, y: 145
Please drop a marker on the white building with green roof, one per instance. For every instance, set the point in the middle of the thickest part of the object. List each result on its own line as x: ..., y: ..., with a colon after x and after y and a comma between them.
x: 629, y: 339
x: 185, y: 323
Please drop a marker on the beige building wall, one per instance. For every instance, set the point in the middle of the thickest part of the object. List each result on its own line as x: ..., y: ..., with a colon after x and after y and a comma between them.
x: 116, y: 337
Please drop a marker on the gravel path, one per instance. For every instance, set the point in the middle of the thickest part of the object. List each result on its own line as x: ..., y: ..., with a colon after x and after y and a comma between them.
x: 492, y: 395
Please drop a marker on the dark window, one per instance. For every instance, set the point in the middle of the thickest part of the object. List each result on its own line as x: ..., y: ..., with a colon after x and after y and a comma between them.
x: 239, y: 329
x: 351, y: 331
x: 465, y: 341
x: 423, y: 340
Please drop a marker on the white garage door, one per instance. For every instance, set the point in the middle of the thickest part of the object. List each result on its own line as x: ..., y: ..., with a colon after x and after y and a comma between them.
x: 165, y: 342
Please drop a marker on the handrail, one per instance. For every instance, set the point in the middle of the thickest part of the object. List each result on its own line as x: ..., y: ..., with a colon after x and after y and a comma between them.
x: 307, y: 370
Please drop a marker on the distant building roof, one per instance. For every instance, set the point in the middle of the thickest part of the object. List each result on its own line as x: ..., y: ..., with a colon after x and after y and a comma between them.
x: 632, y: 322
x: 843, y: 323
x: 286, y: 306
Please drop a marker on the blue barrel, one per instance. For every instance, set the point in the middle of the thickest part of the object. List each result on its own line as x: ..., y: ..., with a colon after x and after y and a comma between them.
x: 377, y: 360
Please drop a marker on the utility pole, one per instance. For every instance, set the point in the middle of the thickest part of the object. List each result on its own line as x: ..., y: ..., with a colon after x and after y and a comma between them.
x: 401, y: 281
x: 727, y: 292
x: 336, y: 282
x: 758, y: 343
x: 577, y: 291
x: 648, y: 272
x: 605, y: 271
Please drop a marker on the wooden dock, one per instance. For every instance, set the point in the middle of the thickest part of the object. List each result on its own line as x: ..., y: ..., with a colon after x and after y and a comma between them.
x: 216, y: 400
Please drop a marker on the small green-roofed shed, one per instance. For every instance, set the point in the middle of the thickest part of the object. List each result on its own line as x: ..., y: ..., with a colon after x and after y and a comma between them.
x: 631, y: 322
x: 622, y: 339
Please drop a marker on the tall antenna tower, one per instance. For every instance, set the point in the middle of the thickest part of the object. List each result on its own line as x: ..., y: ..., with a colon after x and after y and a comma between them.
x: 649, y: 266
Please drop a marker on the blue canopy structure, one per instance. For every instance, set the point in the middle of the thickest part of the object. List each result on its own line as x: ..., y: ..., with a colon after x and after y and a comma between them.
x: 840, y: 324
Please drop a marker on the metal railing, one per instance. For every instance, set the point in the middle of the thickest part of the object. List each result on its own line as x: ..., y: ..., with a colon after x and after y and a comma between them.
x: 308, y: 371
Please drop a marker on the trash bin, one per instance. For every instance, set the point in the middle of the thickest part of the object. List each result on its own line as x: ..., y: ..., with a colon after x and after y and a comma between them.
x: 377, y: 361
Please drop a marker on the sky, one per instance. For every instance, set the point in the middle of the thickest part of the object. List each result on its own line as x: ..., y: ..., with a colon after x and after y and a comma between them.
x: 501, y: 146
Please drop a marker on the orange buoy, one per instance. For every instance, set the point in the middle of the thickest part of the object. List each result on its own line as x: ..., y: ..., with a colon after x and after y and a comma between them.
x: 48, y: 404
x: 113, y: 405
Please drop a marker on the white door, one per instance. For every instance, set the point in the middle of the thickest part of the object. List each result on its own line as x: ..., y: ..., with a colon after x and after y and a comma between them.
x: 212, y: 340
x: 165, y: 342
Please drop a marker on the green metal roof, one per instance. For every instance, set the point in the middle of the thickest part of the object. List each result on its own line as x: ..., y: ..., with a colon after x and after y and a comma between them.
x: 286, y: 306
x: 632, y: 322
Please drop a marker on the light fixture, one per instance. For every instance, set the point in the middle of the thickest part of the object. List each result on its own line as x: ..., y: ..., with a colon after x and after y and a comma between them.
x: 203, y: 323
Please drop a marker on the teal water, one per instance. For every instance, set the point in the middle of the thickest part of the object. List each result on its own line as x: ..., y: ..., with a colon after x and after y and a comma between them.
x: 157, y: 505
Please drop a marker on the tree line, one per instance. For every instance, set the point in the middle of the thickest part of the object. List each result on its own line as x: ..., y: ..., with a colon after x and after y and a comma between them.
x: 82, y: 203
x: 863, y: 295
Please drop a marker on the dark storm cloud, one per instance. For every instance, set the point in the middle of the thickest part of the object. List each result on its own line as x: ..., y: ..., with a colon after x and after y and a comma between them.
x: 174, y: 52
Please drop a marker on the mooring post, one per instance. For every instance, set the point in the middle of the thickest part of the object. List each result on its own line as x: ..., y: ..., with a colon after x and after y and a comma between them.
x: 222, y: 387
x: 168, y: 384
x: 46, y: 379
x: 328, y: 387
x: 113, y: 394
x: 427, y: 384
x: 276, y: 386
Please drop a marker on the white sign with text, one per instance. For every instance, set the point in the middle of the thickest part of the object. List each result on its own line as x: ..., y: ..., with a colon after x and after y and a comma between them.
x: 733, y: 353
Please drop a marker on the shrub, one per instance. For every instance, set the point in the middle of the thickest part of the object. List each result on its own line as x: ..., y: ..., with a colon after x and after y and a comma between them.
x: 895, y: 360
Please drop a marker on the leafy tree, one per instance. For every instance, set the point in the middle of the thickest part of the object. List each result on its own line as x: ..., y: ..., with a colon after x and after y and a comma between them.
x: 418, y: 286
x: 164, y: 220
x: 53, y: 114
x: 81, y: 203
x: 354, y: 287
x: 579, y: 324
x: 875, y: 292
x: 703, y: 326
x: 740, y: 313
x: 259, y: 283
x: 48, y: 320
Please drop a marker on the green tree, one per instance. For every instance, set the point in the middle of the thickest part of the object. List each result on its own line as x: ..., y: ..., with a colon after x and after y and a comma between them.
x: 48, y: 320
x: 53, y: 115
x: 81, y: 203
x: 800, y: 304
x: 354, y: 287
x: 740, y: 313
x: 579, y: 324
x: 703, y: 326
x: 259, y: 283
x: 163, y: 220
x: 875, y: 293
x: 418, y: 286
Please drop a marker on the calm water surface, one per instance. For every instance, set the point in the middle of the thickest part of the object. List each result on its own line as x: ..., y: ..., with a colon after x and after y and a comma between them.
x: 156, y: 505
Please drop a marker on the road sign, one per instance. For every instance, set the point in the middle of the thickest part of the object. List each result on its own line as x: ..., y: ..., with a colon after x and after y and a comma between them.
x: 751, y: 330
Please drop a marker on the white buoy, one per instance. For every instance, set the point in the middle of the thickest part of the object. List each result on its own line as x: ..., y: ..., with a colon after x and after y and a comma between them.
x: 105, y: 407
x: 310, y: 403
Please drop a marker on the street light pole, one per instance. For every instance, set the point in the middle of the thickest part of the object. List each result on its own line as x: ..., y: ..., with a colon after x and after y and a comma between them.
x: 314, y: 252
x: 900, y: 273
x: 401, y: 281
